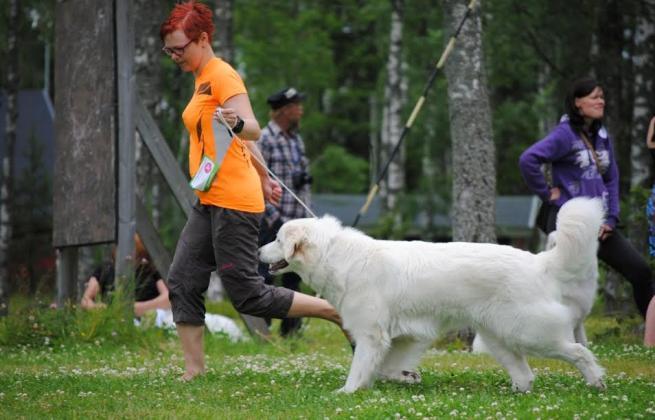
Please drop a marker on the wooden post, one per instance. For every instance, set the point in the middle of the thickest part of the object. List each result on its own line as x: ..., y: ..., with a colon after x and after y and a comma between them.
x: 148, y: 233
x: 164, y: 158
x: 84, y: 181
x: 66, y: 274
x: 126, y: 126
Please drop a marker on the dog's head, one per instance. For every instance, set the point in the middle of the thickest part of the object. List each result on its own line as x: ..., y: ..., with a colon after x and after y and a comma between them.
x: 299, y: 244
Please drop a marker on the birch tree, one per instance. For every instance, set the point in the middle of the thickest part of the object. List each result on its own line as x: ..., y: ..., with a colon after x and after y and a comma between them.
x: 394, y: 94
x: 6, y: 190
x: 474, y: 173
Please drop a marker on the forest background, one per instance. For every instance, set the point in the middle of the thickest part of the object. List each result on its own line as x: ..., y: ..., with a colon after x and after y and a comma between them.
x: 356, y: 70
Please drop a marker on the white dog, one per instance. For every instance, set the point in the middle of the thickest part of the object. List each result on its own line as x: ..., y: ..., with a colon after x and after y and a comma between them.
x: 396, y: 297
x: 577, y: 294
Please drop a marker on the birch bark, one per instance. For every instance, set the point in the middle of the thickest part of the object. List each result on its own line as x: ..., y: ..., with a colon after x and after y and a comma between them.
x: 474, y: 172
x: 395, y: 97
x: 6, y: 190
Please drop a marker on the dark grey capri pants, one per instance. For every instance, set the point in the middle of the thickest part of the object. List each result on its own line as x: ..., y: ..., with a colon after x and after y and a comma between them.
x: 225, y: 240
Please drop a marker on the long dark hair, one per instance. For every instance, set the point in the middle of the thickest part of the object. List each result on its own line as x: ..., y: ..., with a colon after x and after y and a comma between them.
x: 579, y: 89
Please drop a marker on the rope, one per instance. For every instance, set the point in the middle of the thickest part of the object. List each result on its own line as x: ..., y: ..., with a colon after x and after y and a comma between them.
x: 282, y: 184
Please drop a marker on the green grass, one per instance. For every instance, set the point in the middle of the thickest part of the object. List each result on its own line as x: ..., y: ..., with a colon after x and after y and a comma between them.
x: 108, y: 376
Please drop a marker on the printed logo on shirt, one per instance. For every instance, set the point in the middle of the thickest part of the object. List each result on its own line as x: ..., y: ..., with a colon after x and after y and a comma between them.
x: 205, y: 89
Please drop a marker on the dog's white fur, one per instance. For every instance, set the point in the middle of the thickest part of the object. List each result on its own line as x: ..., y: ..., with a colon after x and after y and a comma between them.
x: 577, y: 294
x: 395, y: 297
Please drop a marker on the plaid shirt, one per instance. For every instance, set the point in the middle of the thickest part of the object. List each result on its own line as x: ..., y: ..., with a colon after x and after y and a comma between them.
x: 285, y: 154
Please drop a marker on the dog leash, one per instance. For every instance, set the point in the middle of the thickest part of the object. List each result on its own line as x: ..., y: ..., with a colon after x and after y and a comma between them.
x: 275, y: 177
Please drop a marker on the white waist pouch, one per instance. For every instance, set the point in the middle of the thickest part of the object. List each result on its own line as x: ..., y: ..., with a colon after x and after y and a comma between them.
x: 204, y: 176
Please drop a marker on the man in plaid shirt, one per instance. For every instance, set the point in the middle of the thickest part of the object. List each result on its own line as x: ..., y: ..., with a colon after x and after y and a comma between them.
x: 284, y: 153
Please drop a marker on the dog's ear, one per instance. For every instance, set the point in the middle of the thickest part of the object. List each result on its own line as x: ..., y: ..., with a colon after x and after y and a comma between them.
x: 294, y: 239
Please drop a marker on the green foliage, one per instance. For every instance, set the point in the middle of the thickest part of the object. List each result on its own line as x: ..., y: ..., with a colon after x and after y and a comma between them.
x: 633, y: 207
x: 336, y: 52
x: 37, y: 325
x: 330, y: 51
x: 515, y: 123
x: 336, y: 170
x: 35, y: 27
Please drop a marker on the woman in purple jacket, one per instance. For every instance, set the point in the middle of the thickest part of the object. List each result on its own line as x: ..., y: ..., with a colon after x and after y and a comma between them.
x: 581, y: 155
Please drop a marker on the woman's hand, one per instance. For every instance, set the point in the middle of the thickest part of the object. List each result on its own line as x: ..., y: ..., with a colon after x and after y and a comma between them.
x: 272, y: 191
x: 554, y: 194
x: 605, y: 231
x: 229, y: 115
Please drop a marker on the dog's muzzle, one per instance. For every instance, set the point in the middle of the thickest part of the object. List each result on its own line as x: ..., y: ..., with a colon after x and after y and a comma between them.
x: 275, y: 267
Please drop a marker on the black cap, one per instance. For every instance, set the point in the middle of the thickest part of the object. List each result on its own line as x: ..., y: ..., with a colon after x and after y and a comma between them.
x: 285, y: 96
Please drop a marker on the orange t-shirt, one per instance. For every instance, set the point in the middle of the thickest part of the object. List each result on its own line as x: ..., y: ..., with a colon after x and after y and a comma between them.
x: 236, y: 185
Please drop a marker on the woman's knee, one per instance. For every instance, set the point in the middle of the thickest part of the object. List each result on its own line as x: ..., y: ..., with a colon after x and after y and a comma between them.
x: 269, y: 302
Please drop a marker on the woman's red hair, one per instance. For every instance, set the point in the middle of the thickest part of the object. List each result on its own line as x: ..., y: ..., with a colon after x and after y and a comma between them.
x: 192, y: 17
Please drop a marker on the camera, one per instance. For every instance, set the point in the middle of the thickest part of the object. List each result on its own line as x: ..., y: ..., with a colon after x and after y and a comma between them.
x: 300, y: 179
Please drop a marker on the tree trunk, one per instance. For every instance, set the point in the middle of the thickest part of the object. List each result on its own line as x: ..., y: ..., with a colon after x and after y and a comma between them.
x: 6, y: 188
x: 474, y: 173
x: 395, y: 93
x: 613, y: 72
x: 643, y: 72
x: 224, y: 44
x: 373, y: 139
x: 611, y: 41
x: 429, y: 173
x: 643, y: 107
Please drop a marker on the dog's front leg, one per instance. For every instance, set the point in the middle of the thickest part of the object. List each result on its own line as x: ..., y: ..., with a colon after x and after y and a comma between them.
x: 580, y: 334
x: 369, y: 354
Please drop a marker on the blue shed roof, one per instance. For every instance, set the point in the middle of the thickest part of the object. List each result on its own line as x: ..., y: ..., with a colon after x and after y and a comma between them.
x: 35, y: 119
x: 512, y: 212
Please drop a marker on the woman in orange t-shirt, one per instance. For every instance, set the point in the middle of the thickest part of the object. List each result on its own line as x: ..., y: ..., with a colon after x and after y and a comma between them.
x: 223, y: 228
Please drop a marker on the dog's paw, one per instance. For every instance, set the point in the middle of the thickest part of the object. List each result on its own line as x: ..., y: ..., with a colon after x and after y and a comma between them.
x: 599, y: 384
x: 523, y: 388
x: 344, y: 390
x: 404, y: 376
x: 410, y: 377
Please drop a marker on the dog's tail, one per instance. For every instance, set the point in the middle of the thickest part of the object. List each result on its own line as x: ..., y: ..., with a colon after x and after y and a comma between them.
x: 578, y: 225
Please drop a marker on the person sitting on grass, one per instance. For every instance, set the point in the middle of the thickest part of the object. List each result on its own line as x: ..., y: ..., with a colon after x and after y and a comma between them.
x: 150, y: 290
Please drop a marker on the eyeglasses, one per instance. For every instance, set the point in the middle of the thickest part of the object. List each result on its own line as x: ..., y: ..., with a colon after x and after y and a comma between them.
x: 169, y: 51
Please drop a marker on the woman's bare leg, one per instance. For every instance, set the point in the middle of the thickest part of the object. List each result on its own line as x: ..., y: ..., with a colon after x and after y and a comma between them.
x: 191, y: 337
x: 649, y: 333
x: 309, y: 306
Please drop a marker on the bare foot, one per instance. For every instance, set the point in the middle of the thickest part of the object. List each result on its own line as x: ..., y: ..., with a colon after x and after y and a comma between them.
x: 190, y: 375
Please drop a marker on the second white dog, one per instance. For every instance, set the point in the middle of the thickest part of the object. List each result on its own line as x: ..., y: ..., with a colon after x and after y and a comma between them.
x: 396, y: 297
